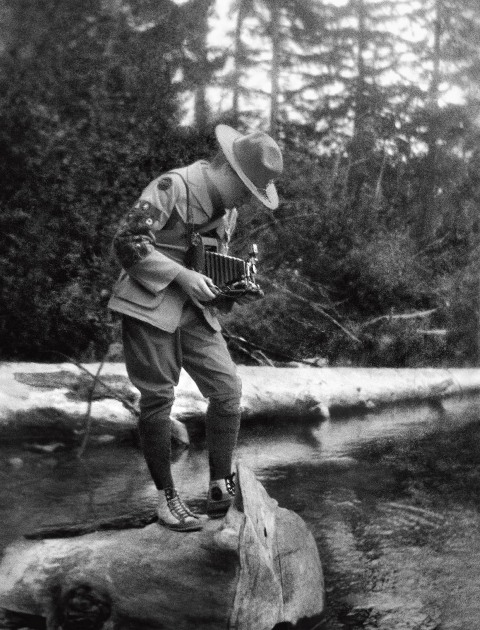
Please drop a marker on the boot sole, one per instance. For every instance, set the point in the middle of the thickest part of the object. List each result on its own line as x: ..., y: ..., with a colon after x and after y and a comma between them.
x: 194, y: 527
x: 215, y: 515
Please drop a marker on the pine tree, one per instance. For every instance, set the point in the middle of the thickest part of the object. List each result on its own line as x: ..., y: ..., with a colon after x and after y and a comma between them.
x: 272, y: 28
x: 242, y: 9
x: 450, y: 35
x: 197, y: 67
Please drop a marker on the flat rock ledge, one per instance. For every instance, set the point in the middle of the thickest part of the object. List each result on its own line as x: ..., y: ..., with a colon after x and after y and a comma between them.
x: 40, y: 400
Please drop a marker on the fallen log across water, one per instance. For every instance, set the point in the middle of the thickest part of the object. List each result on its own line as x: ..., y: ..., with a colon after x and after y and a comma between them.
x: 257, y: 567
x: 49, y: 401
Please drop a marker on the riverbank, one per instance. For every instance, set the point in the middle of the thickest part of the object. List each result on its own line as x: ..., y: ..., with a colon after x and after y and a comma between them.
x: 57, y: 401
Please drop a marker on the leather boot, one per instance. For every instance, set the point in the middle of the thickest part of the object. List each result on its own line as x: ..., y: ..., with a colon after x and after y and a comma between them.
x: 221, y: 494
x: 174, y: 514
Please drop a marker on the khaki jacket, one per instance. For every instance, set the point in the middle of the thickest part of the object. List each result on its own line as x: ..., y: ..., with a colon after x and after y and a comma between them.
x: 151, y: 245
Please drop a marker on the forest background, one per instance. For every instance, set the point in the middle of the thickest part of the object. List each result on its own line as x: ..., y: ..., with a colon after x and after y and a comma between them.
x: 372, y: 257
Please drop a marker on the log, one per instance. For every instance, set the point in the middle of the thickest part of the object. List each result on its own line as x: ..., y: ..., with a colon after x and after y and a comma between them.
x: 257, y: 567
x: 31, y: 408
x: 51, y: 402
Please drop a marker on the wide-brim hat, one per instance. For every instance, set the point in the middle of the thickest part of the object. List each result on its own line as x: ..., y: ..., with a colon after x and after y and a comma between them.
x: 257, y: 160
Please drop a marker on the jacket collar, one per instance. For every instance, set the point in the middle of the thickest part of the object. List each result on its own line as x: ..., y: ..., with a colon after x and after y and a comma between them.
x: 197, y: 183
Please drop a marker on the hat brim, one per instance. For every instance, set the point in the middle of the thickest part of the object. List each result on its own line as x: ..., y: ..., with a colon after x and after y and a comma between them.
x: 226, y: 136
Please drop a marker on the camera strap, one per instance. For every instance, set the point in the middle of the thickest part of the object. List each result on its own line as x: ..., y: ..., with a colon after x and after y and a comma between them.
x: 193, y: 236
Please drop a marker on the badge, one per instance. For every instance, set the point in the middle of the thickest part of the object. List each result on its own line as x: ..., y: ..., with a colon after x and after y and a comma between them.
x: 164, y: 183
x: 195, y: 239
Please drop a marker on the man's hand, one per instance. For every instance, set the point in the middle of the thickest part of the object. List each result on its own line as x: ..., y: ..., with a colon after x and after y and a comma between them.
x: 197, y: 286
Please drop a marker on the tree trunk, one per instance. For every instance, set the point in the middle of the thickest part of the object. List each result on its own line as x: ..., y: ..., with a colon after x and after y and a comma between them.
x: 361, y: 143
x: 428, y: 213
x: 275, y: 72
x: 478, y: 311
x: 257, y: 567
x: 202, y: 113
x: 36, y: 404
x: 239, y: 58
x: 360, y: 95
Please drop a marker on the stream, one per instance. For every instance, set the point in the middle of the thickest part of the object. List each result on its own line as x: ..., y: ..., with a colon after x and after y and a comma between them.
x: 392, y: 498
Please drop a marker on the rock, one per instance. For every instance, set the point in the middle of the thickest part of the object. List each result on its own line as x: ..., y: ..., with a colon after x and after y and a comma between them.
x: 105, y: 438
x: 15, y: 462
x: 52, y: 447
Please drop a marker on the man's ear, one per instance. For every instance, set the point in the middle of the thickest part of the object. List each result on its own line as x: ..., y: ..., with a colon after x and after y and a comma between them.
x: 220, y: 172
x: 227, y: 177
x: 227, y: 171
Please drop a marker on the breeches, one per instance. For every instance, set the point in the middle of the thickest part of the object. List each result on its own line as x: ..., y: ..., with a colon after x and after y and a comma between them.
x: 154, y: 359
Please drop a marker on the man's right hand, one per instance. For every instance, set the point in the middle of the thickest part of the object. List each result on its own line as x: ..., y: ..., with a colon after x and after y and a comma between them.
x: 197, y: 286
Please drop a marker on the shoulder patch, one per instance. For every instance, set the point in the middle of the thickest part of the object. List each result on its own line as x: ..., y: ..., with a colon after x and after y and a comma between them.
x: 164, y: 183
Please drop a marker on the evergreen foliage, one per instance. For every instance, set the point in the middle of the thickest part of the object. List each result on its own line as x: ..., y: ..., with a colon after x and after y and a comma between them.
x: 90, y: 117
x: 379, y: 205
x: 339, y: 280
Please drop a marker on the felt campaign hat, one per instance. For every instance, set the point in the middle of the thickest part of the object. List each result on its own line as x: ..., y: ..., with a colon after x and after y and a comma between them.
x: 257, y: 160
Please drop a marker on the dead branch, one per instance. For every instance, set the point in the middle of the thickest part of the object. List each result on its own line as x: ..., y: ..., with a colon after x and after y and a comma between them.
x: 389, y: 317
x: 112, y: 393
x: 316, y: 307
x: 240, y: 343
x: 88, y: 424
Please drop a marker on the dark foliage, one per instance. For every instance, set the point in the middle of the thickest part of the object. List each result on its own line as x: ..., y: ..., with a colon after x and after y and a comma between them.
x: 338, y: 269
x: 89, y: 114
x: 88, y: 118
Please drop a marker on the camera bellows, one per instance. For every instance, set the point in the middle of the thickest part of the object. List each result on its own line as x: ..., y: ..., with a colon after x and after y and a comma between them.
x: 224, y: 269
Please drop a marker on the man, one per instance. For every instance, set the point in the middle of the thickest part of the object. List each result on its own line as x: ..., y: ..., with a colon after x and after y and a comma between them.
x: 167, y: 322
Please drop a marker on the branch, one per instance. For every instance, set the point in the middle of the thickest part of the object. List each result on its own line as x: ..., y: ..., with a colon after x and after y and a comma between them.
x: 258, y: 354
x: 316, y: 307
x: 400, y: 316
x: 113, y: 394
x: 239, y: 342
x: 88, y: 424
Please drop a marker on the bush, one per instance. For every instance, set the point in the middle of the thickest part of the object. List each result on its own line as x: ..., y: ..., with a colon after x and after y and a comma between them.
x: 78, y: 152
x: 330, y: 268
x: 381, y: 273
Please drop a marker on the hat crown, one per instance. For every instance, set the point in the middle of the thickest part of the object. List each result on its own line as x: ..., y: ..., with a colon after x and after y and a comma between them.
x: 259, y: 157
x: 257, y: 160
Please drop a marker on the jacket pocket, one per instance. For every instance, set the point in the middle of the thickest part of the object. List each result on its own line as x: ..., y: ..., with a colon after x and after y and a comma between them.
x: 130, y: 290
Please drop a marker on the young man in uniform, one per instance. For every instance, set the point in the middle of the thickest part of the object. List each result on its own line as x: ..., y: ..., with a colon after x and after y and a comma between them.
x: 167, y: 323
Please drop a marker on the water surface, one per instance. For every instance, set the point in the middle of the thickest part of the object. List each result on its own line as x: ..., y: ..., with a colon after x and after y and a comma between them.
x: 392, y: 498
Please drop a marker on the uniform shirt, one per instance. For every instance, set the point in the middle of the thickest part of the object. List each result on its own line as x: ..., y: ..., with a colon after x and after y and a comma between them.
x: 162, y: 209
x: 151, y: 245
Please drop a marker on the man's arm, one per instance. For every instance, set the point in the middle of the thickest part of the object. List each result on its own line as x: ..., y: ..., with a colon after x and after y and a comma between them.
x: 134, y: 244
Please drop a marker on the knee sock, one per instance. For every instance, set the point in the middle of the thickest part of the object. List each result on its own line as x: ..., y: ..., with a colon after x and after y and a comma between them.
x: 155, y: 440
x: 222, y: 427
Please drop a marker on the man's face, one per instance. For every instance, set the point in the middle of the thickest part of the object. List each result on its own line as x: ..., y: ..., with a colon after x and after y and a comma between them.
x: 234, y: 192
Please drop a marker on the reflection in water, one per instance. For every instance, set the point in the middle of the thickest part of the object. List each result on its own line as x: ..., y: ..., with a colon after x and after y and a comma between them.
x: 379, y: 526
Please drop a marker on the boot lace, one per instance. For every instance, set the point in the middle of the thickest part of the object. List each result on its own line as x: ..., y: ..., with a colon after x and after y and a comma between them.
x: 177, y: 507
x: 230, y: 484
